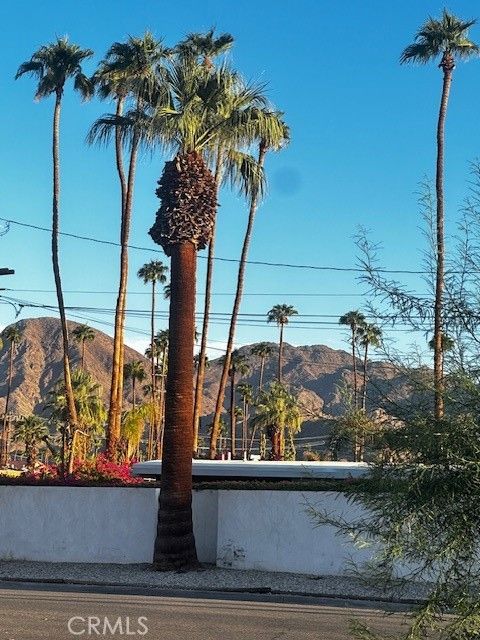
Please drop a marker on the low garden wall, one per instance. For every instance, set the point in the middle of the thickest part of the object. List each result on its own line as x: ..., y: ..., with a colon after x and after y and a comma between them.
x: 266, y: 530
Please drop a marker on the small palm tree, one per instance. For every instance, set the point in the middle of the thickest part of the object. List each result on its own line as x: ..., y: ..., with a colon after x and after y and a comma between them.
x: 445, y: 39
x: 82, y: 334
x: 281, y: 314
x: 11, y: 336
x: 204, y: 47
x: 277, y: 411
x: 356, y: 321
x: 132, y: 74
x: 135, y: 372
x: 371, y: 336
x: 53, y: 65
x: 262, y: 350
x: 31, y: 431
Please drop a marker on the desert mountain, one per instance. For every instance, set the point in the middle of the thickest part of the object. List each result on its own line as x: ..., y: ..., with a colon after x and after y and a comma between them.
x: 37, y: 364
x: 316, y: 373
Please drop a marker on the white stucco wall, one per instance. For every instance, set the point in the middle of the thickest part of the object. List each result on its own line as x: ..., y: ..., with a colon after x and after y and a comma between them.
x: 273, y: 531
x: 266, y: 530
x: 80, y: 524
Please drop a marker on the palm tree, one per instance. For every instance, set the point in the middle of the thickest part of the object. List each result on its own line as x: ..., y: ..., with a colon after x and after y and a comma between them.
x: 134, y: 371
x: 276, y: 411
x: 246, y: 392
x: 30, y: 430
x: 273, y: 134
x: 238, y: 104
x: 445, y: 38
x: 153, y: 272
x: 161, y: 345
x: 53, y: 65
x: 184, y: 222
x: 82, y: 334
x: 356, y: 321
x: 90, y: 410
x: 11, y: 336
x: 204, y: 47
x: 262, y: 350
x: 238, y: 365
x: 130, y: 72
x: 371, y: 336
x: 280, y: 314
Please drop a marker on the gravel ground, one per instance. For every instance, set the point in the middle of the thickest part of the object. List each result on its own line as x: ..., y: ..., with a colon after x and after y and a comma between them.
x: 208, y: 578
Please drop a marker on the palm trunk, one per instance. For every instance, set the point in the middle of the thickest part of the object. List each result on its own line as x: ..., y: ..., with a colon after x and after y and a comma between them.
x: 354, y: 362
x: 236, y: 308
x: 197, y: 411
x: 447, y: 65
x: 83, y: 355
x: 134, y: 392
x: 233, y: 434
x: 155, y: 425
x: 116, y: 395
x: 364, y: 399
x: 175, y: 542
x: 71, y: 409
x: 161, y: 417
x: 262, y: 369
x: 280, y: 355
x: 4, y: 439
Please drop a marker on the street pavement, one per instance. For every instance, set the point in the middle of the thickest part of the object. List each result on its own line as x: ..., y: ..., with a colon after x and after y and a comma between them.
x: 57, y: 612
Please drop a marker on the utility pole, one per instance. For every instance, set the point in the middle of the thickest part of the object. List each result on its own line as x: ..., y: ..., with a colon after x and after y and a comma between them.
x: 5, y: 271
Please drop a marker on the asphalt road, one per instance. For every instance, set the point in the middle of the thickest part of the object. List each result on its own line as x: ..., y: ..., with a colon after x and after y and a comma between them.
x: 40, y: 612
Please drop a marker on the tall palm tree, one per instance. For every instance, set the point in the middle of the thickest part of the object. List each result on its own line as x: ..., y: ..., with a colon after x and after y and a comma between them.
x: 262, y: 350
x: 11, y: 336
x: 54, y: 64
x: 446, y: 39
x: 135, y: 372
x: 82, y: 334
x: 183, y: 225
x: 238, y: 365
x: 281, y: 314
x: 204, y: 47
x: 31, y: 430
x: 161, y: 344
x: 356, y: 321
x: 371, y: 336
x: 131, y: 74
x: 153, y: 272
x: 238, y: 105
x: 272, y: 134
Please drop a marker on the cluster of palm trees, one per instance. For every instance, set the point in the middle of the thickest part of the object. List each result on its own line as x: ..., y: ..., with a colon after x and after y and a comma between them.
x: 363, y: 335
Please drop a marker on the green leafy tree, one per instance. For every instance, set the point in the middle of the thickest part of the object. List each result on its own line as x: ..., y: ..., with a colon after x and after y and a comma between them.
x: 132, y: 74
x: 281, y: 314
x: 53, y: 65
x: 31, y: 431
x: 446, y: 39
x: 83, y: 334
x: 262, y: 350
x: 11, y: 336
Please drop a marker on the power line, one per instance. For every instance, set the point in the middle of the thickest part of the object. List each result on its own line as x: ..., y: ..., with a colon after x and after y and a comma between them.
x: 201, y: 293
x: 284, y: 265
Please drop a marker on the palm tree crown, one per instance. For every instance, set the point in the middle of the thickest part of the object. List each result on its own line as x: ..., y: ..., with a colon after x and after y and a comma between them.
x: 53, y: 64
x: 281, y: 313
x: 446, y: 37
x: 12, y: 334
x: 153, y: 271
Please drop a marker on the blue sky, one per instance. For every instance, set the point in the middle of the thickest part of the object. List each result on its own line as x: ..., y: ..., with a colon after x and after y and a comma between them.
x: 362, y: 138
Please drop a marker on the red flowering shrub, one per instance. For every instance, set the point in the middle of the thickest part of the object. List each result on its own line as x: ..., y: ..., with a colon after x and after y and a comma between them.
x: 98, y: 472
